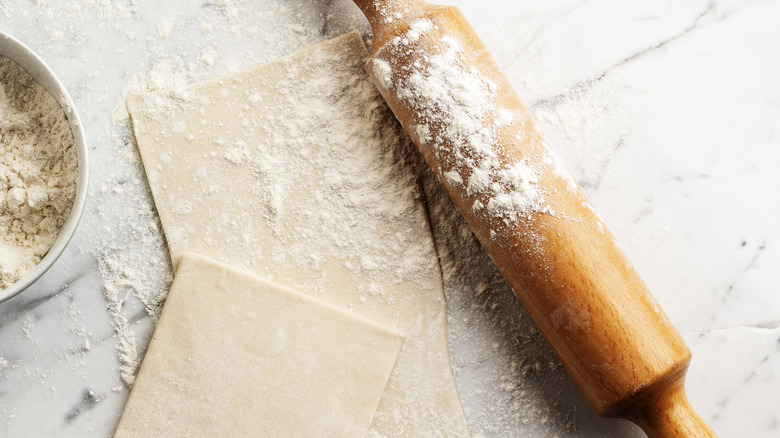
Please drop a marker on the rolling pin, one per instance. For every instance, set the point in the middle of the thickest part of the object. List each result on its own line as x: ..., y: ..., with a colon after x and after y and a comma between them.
x: 530, y: 216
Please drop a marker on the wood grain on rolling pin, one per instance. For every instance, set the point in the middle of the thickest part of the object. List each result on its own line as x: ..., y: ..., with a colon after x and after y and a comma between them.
x: 553, y: 249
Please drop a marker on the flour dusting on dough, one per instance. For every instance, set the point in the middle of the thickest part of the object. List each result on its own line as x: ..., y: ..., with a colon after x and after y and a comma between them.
x: 298, y: 171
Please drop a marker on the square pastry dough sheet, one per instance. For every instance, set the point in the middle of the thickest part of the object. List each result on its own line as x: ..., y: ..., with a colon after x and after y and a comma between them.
x: 235, y: 355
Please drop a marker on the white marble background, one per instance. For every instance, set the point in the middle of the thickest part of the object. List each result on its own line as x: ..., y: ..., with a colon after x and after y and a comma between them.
x: 667, y: 113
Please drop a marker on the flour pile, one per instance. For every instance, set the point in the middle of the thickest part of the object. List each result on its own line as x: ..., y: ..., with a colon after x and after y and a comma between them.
x: 38, y: 169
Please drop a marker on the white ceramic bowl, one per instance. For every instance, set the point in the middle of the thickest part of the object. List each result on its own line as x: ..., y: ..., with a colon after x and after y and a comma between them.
x: 27, y: 59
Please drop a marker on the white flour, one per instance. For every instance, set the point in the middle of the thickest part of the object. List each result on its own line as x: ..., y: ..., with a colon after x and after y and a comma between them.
x: 455, y: 115
x: 38, y: 169
x: 132, y: 258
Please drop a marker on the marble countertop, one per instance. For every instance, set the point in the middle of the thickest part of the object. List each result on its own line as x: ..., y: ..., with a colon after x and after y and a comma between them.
x: 666, y: 112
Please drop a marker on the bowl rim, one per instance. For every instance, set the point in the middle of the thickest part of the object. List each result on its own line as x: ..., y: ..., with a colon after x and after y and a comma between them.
x: 25, y: 57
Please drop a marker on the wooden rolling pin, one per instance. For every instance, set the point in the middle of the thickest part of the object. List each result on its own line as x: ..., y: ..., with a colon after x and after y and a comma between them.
x: 531, y: 217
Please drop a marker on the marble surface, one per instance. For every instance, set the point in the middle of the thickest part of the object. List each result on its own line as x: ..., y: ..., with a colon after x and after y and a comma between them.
x: 666, y: 112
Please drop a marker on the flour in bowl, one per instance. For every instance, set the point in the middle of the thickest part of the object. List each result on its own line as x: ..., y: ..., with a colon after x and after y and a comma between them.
x: 38, y: 169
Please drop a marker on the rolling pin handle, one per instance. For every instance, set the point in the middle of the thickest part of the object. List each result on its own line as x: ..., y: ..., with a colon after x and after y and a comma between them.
x: 672, y: 416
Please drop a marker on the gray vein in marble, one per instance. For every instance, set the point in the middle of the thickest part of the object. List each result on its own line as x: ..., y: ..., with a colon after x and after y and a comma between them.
x: 595, y: 182
x: 723, y: 404
x: 20, y: 306
x: 766, y: 325
x: 769, y: 325
x: 586, y: 84
x: 88, y: 401
x: 752, y: 264
x: 535, y: 36
x: 139, y: 315
x: 696, y: 24
x: 681, y: 178
x: 646, y: 211
x: 24, y: 308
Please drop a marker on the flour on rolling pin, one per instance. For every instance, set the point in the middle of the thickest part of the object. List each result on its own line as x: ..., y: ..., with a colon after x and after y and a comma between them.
x: 460, y: 104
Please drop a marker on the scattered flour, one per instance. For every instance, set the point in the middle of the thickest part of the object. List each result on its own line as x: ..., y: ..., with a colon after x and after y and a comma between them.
x: 133, y: 261
x: 38, y: 170
x: 505, y: 372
